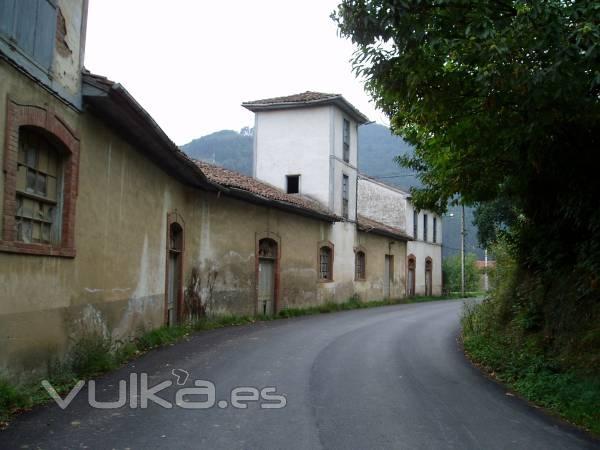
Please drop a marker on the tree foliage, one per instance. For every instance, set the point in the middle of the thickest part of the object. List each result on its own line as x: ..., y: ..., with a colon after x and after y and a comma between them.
x: 451, y: 272
x: 501, y: 100
x: 494, y: 220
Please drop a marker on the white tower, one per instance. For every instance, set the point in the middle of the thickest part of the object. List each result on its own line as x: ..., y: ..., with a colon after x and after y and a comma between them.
x: 307, y: 143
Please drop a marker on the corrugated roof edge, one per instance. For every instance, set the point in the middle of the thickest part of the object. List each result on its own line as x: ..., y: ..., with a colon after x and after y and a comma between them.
x: 112, y: 90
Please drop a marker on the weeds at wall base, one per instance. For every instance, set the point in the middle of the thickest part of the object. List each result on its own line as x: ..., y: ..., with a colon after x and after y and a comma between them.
x: 93, y: 355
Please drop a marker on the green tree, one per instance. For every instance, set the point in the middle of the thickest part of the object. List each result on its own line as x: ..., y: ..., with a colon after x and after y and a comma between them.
x: 451, y: 272
x: 494, y: 220
x: 501, y: 101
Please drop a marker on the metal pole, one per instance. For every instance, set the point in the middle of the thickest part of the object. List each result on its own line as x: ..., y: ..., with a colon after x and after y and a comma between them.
x: 485, y: 278
x: 462, y: 250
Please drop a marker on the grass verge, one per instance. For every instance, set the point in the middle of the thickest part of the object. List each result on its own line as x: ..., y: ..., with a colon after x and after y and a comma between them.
x: 520, y: 362
x: 93, y: 354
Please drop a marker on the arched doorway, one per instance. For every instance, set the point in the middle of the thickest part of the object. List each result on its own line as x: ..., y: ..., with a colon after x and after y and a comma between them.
x: 428, y: 277
x: 267, y: 276
x: 410, y: 278
x: 174, y: 297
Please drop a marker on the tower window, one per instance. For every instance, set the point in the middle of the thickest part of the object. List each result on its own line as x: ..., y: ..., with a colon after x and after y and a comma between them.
x: 293, y: 184
x: 345, y: 195
x: 346, y: 140
x: 415, y: 224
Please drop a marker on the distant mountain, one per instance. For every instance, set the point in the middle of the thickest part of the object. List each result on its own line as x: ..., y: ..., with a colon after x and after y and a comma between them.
x: 226, y: 148
x: 378, y: 148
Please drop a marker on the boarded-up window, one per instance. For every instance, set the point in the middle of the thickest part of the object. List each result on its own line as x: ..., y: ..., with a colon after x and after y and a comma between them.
x: 31, y: 25
x: 326, y: 263
x: 360, y: 271
x: 38, y: 189
x: 345, y: 195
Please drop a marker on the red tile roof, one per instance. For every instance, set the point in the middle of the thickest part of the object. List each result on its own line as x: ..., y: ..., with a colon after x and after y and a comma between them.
x: 261, y: 190
x: 306, y: 99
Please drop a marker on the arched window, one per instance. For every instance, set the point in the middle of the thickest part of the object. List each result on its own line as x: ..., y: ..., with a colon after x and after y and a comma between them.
x: 410, y: 281
x: 267, y: 248
x: 428, y: 276
x: 38, y: 192
x: 41, y: 163
x: 359, y: 265
x: 267, y: 277
x: 326, y: 262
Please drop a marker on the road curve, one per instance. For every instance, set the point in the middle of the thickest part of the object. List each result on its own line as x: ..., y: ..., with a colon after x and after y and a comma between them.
x: 389, y: 377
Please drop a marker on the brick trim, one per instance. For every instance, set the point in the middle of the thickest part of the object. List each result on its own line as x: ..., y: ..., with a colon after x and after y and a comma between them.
x: 45, y: 119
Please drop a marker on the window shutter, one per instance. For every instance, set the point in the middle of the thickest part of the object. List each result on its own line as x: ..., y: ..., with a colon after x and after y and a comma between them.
x: 7, y: 17
x: 25, y: 13
x: 45, y: 33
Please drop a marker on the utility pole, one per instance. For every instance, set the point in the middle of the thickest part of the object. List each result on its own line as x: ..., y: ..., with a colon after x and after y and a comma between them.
x: 485, y: 277
x: 462, y: 249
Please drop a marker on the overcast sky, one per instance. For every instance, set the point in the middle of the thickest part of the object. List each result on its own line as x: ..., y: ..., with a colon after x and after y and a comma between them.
x: 190, y: 63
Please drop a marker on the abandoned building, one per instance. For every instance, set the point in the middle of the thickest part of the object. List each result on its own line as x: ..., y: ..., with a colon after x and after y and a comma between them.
x: 104, y: 219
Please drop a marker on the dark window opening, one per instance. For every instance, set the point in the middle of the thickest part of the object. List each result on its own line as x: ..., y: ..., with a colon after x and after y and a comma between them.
x: 293, y: 184
x: 415, y: 224
x: 425, y: 227
x: 434, y: 230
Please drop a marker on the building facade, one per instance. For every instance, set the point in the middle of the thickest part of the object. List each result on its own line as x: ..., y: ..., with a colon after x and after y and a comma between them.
x: 392, y: 206
x: 108, y: 228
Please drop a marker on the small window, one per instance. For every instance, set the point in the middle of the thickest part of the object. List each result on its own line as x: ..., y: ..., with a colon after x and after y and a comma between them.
x: 326, y: 263
x: 415, y: 224
x: 345, y: 195
x: 434, y: 230
x: 293, y: 184
x: 346, y: 140
x: 359, y: 265
x: 38, y: 211
x: 425, y: 227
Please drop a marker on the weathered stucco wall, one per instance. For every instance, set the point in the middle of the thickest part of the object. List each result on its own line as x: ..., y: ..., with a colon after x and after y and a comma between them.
x: 70, y: 41
x: 116, y: 281
x: 421, y: 251
x: 382, y: 203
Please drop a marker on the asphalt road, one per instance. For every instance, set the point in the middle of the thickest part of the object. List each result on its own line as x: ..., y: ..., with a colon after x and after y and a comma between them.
x: 389, y: 377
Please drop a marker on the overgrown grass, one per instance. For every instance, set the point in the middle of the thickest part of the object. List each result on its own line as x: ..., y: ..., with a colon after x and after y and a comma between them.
x: 93, y: 354
x: 519, y: 360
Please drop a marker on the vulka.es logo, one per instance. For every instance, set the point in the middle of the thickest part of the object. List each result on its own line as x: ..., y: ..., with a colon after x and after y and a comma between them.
x: 136, y: 393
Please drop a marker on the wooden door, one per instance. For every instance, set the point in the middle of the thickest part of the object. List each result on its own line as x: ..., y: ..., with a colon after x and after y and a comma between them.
x: 387, y: 276
x: 266, y: 286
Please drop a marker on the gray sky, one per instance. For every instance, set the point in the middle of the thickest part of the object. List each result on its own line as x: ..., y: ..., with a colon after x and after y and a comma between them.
x: 192, y: 63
